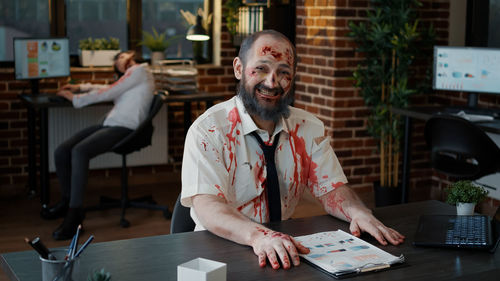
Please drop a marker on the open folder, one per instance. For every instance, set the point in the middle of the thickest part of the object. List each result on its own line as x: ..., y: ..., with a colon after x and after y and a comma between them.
x: 341, y: 254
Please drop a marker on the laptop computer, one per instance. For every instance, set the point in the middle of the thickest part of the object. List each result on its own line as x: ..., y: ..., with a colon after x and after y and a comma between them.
x: 452, y: 231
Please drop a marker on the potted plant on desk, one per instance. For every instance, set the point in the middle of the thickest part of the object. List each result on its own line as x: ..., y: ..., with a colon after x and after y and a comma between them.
x: 465, y: 195
x: 98, y: 52
x: 389, y: 41
x: 157, y: 43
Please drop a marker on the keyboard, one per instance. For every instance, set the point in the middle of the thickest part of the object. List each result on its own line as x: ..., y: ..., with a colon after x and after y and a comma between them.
x: 467, y: 231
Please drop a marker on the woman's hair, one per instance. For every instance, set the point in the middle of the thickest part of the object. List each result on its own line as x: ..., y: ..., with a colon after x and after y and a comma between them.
x: 117, y: 71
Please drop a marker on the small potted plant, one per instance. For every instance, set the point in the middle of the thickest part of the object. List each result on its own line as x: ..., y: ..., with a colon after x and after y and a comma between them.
x: 465, y: 195
x: 98, y: 52
x: 157, y: 43
x: 101, y: 275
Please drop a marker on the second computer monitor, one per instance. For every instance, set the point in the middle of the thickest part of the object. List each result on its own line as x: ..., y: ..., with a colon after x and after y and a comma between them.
x: 466, y: 69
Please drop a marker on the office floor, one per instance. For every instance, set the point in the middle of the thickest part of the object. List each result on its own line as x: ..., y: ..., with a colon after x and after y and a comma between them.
x: 19, y: 215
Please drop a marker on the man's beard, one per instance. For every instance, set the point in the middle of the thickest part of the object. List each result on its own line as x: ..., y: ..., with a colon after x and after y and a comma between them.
x: 274, y: 113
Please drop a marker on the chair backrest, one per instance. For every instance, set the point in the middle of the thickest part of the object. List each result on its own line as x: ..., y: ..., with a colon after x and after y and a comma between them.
x: 461, y: 149
x: 181, y: 219
x: 140, y: 137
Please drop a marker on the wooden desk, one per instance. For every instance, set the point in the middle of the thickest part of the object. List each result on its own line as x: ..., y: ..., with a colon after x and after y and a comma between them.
x: 425, y: 113
x: 43, y: 102
x: 157, y: 257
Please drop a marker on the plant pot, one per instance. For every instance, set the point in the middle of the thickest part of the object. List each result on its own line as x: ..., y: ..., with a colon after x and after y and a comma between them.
x: 98, y: 57
x: 386, y: 196
x: 157, y: 56
x: 465, y: 209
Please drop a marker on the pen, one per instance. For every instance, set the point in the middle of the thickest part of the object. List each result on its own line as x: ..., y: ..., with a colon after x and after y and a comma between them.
x: 70, y: 248
x: 84, y: 245
x: 38, y: 246
x: 75, y: 246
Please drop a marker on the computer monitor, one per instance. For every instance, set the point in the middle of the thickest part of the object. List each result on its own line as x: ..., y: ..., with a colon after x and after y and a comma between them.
x: 467, y: 69
x: 36, y: 58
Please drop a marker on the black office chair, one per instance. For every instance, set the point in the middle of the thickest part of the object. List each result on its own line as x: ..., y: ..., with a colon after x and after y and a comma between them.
x: 138, y: 139
x: 181, y: 219
x: 460, y: 149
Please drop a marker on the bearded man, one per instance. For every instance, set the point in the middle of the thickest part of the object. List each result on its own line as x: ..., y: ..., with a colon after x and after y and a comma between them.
x: 248, y: 160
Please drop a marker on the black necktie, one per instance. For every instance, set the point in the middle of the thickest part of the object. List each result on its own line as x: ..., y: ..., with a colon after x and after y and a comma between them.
x: 272, y: 183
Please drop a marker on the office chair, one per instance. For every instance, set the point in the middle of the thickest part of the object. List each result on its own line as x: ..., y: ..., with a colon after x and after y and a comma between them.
x: 181, y: 219
x: 138, y: 139
x: 460, y: 149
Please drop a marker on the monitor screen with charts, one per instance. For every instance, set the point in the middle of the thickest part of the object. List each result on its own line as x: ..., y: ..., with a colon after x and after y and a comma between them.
x: 36, y: 58
x: 466, y: 69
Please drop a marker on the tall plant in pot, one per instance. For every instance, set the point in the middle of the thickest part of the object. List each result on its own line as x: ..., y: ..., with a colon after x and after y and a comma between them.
x: 389, y: 41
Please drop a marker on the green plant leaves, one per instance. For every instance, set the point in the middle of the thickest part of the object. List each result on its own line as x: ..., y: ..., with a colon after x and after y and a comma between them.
x: 465, y: 192
x: 231, y: 10
x: 157, y: 42
x: 390, y: 40
x: 99, y: 44
x: 101, y: 275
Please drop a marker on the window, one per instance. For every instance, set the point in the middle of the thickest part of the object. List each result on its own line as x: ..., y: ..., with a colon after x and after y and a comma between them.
x: 165, y: 16
x: 96, y: 19
x: 21, y: 18
x: 123, y: 19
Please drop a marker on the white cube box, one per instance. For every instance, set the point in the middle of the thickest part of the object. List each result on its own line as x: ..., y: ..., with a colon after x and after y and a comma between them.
x: 201, y: 269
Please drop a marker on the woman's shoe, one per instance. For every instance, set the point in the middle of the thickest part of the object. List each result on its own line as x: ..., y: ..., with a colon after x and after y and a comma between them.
x: 70, y: 224
x: 59, y: 210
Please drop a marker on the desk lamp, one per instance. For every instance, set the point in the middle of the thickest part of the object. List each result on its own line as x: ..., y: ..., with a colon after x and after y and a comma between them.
x: 197, y: 32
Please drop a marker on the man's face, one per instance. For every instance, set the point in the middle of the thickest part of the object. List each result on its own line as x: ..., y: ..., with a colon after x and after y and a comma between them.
x: 267, y: 78
x: 124, y: 61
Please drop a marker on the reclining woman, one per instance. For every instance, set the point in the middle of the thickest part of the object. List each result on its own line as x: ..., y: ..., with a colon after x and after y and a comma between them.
x: 132, y: 95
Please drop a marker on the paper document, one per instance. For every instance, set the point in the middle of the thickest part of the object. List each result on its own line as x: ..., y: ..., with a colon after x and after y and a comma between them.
x: 340, y: 253
x: 474, y: 117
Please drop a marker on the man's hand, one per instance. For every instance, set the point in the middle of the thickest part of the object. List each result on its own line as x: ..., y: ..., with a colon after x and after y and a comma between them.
x: 343, y: 203
x: 66, y: 94
x: 227, y: 222
x: 71, y: 87
x: 268, y: 243
x: 365, y: 221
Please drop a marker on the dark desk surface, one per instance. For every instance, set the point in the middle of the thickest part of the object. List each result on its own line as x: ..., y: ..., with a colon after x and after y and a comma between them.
x: 157, y: 257
x: 426, y: 112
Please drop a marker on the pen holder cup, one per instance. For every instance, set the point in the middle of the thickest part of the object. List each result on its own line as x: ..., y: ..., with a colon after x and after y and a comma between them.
x: 59, y: 268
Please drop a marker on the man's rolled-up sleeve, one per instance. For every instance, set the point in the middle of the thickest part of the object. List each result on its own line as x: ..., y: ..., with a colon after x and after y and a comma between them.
x: 328, y: 173
x: 203, y: 168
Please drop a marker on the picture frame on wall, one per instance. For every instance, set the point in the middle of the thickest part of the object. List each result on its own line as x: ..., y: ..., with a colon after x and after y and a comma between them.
x: 256, y: 2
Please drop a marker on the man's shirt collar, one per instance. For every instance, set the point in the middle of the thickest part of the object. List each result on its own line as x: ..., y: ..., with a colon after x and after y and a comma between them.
x: 248, y: 125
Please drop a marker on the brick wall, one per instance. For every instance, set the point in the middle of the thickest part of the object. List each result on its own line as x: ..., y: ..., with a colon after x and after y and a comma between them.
x: 324, y: 87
